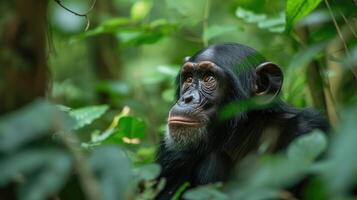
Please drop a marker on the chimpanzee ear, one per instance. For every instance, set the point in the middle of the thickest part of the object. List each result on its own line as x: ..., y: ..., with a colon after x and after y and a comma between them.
x: 269, y: 79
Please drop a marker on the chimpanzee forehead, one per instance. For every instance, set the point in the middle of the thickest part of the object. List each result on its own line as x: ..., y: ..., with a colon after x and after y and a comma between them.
x: 202, y: 65
x: 231, y: 56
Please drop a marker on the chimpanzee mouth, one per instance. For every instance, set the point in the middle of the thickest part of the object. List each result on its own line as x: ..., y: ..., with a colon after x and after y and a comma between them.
x: 184, y: 121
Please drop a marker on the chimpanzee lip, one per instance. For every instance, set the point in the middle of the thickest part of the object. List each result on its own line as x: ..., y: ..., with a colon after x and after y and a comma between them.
x: 178, y: 120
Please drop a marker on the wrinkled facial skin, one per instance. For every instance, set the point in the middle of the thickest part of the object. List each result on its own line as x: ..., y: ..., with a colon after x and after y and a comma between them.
x: 201, y: 93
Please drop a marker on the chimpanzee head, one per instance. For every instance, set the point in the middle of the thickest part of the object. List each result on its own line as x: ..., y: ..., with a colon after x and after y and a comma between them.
x: 209, y: 80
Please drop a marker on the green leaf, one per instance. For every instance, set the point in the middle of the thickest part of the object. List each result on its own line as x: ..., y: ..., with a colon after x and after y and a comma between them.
x: 316, y: 189
x: 131, y: 127
x: 87, y: 115
x: 272, y: 24
x: 113, y: 169
x: 147, y: 172
x: 275, y: 171
x: 246, y: 105
x: 114, y: 23
x: 140, y: 10
x: 45, y: 171
x: 307, y: 147
x: 146, y: 155
x: 29, y: 123
x: 249, y: 16
x: 297, y: 9
x: 179, y: 191
x: 217, y: 30
x: 140, y: 37
x: 254, y: 193
x: 340, y: 173
x: 206, y: 192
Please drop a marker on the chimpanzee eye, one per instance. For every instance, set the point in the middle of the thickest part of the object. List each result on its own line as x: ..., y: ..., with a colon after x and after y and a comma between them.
x: 208, y: 77
x: 189, y: 79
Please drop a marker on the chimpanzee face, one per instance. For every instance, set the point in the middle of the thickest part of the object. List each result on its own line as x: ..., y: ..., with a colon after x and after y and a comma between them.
x: 213, y: 77
x: 200, y: 94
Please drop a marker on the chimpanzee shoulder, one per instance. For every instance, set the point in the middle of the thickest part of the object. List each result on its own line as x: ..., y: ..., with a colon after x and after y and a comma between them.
x: 302, y: 122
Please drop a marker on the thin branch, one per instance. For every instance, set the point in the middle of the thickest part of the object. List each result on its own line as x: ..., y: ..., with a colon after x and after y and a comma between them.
x: 337, y: 27
x: 348, y: 24
x: 86, y: 177
x: 85, y: 15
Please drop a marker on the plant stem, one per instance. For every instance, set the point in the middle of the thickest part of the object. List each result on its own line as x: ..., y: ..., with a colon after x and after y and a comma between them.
x: 86, y: 178
x: 205, y: 22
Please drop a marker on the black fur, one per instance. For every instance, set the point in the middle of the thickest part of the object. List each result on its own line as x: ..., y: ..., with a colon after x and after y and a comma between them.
x: 231, y: 140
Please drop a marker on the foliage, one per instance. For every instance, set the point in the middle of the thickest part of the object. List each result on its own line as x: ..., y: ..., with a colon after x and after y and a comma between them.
x: 297, y: 9
x: 97, y: 136
x: 87, y: 115
x: 273, y: 24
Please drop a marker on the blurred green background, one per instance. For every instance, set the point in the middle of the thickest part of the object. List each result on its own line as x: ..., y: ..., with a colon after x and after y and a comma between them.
x: 107, y: 69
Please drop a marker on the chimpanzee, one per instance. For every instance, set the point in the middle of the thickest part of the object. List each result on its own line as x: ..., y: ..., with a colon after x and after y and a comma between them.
x: 200, y: 146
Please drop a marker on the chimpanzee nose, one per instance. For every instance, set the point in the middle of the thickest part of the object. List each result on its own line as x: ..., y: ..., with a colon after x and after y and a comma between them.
x: 188, y: 98
x: 191, y: 97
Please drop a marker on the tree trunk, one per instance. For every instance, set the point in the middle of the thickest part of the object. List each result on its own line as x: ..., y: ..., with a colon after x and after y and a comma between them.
x: 23, y: 68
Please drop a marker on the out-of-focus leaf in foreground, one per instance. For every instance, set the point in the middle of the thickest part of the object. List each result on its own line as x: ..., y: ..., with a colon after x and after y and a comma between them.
x: 308, y: 147
x: 341, y: 170
x: 29, y: 123
x: 269, y: 173
x: 237, y: 107
x: 206, y: 192
x: 113, y: 168
x: 147, y: 172
x: 46, y: 170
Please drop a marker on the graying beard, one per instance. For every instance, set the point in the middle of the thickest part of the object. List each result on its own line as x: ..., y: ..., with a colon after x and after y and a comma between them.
x: 184, y: 137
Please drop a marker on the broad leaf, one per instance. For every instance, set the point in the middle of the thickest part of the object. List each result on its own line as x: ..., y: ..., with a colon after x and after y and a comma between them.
x: 276, y: 171
x: 256, y: 193
x: 29, y: 123
x: 272, y: 24
x: 238, y: 107
x: 147, y: 172
x: 131, y: 127
x: 205, y: 192
x: 45, y: 171
x: 307, y: 147
x: 340, y: 173
x: 113, y: 168
x: 297, y: 9
x: 87, y: 115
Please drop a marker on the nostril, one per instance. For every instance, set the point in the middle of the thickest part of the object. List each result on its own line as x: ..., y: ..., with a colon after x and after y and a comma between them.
x: 188, y: 98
